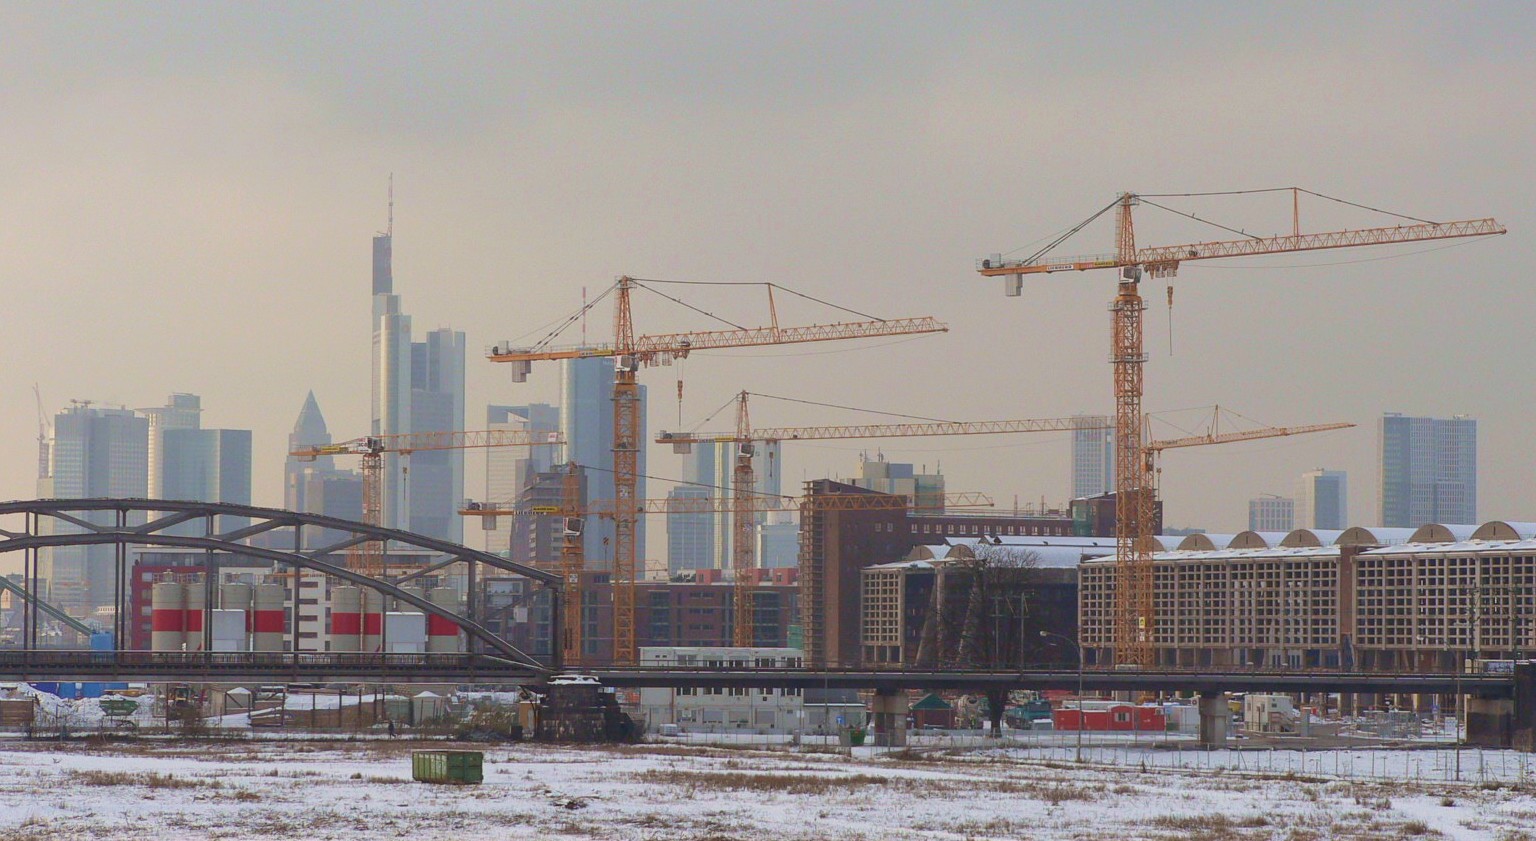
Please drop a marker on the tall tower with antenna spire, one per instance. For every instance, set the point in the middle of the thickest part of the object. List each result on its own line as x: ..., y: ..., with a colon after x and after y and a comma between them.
x: 417, y: 387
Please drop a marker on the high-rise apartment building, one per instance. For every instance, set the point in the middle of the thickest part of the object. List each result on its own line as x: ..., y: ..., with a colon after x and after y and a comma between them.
x: 586, y: 425
x: 1271, y: 513
x: 417, y: 387
x: 1093, y: 456
x: 1428, y: 470
x: 1322, y: 500
x: 94, y: 452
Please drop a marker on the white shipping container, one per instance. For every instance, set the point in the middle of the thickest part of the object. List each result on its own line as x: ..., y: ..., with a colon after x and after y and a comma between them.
x: 228, y: 629
x: 401, y: 628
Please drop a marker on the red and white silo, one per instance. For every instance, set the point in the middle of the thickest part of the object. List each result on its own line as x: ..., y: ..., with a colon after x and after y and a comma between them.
x: 167, y: 616
x: 196, y: 613
x: 346, y: 618
x: 267, y: 617
x: 373, y: 621
x: 443, y: 634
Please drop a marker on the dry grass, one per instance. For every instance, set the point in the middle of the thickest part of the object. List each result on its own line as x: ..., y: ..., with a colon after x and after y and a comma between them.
x: 145, y: 779
x: 794, y: 784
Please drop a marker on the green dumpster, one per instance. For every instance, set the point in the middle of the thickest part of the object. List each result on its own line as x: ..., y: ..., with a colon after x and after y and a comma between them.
x: 454, y: 767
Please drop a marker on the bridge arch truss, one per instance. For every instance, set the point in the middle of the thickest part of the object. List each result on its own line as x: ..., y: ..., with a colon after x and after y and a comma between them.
x: 52, y: 523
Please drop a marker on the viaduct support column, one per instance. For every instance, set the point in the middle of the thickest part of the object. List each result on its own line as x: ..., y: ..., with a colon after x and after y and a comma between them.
x: 1215, y: 715
x: 1490, y: 721
x: 1523, y: 733
x: 890, y: 718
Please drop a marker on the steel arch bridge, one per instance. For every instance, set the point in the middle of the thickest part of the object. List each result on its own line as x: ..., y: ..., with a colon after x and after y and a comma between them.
x: 84, y: 522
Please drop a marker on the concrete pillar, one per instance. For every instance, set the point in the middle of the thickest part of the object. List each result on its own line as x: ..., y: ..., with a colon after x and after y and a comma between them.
x: 346, y: 618
x: 1490, y: 722
x: 889, y: 715
x: 167, y: 616
x: 1215, y: 716
x: 1523, y: 731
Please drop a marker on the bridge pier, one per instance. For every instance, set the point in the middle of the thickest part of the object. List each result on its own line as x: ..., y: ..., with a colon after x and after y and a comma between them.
x: 1215, y: 716
x: 1489, y: 721
x: 1523, y: 731
x: 889, y: 715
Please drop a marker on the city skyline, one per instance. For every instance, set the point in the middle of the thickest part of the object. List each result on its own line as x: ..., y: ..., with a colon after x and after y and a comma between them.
x: 514, y: 197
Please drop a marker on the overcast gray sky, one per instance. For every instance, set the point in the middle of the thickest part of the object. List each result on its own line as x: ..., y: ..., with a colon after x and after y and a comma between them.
x: 189, y: 191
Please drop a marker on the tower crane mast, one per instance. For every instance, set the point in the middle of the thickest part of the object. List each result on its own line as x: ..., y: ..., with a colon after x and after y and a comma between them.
x: 629, y: 353
x: 1134, y: 494
x: 368, y: 557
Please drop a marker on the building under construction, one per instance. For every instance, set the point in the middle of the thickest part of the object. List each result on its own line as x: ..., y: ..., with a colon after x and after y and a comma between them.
x: 837, y: 544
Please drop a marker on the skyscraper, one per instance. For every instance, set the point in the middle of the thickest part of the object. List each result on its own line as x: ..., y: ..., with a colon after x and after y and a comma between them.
x: 207, y: 465
x: 94, y: 452
x: 508, y: 469
x: 1322, y: 500
x: 436, y: 478
x: 308, y: 431
x: 1271, y: 513
x: 888, y: 477
x: 417, y: 387
x: 691, y: 535
x: 1093, y: 456
x: 586, y: 425
x: 766, y: 480
x: 1428, y: 470
x: 181, y: 411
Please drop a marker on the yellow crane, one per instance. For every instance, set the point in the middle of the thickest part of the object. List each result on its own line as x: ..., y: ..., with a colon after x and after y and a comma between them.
x: 368, y: 558
x: 572, y: 512
x: 743, y: 476
x: 1134, y: 494
x: 630, y: 352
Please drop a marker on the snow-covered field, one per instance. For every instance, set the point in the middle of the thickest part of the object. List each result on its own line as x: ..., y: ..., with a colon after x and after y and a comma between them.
x: 362, y: 790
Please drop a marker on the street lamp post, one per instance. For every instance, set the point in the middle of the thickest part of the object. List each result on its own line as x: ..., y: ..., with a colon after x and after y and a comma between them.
x: 1082, y: 717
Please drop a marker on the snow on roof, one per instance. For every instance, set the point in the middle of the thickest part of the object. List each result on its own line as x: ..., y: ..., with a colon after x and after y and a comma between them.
x: 1032, y: 540
x: 1257, y: 553
x: 1461, y: 547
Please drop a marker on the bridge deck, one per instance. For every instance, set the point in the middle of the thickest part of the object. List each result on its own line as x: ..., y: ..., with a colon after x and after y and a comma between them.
x: 335, y: 667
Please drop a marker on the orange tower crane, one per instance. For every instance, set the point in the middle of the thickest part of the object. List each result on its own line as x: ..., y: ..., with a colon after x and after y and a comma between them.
x: 743, y: 559
x: 1134, y: 495
x: 368, y: 558
x: 629, y: 352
